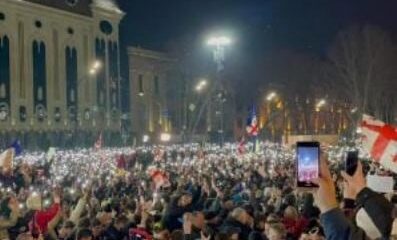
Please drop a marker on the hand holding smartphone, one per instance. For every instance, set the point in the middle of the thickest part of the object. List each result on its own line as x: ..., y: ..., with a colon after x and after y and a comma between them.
x: 351, y: 162
x: 307, y: 163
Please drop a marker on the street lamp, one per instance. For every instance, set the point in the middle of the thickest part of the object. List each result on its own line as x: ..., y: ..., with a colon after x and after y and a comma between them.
x: 271, y: 96
x: 219, y: 43
x: 202, y: 84
x: 320, y: 104
x: 95, y: 67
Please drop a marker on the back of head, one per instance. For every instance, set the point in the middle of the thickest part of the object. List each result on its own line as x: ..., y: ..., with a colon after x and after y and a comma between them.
x: 255, y: 236
x: 277, y: 231
x: 177, y: 235
x: 291, y: 213
x: 83, y: 234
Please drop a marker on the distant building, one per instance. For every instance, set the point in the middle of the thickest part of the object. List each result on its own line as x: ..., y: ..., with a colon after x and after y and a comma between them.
x: 48, y: 87
x: 150, y: 85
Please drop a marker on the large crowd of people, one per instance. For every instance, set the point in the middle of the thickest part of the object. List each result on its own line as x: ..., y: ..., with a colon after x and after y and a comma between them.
x: 187, y: 192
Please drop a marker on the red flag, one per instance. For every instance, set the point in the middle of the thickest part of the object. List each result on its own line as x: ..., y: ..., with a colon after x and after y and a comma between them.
x: 99, y: 142
x: 159, y: 178
x: 380, y: 140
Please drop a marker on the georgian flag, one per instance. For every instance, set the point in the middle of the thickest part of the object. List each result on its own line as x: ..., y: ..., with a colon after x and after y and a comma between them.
x: 252, y: 123
x: 380, y: 140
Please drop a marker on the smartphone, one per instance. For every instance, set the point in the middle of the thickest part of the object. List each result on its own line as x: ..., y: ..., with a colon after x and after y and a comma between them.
x: 307, y: 163
x: 351, y: 162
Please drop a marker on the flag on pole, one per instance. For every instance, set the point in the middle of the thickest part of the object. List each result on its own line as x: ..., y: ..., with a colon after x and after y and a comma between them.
x: 99, y: 142
x: 241, y: 146
x: 252, y: 123
x: 16, y: 145
x: 7, y: 159
x: 380, y: 140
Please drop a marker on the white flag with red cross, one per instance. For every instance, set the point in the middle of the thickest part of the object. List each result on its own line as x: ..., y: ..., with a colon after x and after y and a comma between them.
x: 380, y: 140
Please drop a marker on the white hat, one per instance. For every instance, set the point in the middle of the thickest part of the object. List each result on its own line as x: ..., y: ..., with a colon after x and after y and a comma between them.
x: 34, y: 202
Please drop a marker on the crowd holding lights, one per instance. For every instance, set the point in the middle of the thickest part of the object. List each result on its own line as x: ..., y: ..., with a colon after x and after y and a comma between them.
x: 74, y: 172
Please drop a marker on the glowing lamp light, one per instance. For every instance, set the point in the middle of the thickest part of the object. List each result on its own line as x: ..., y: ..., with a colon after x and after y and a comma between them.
x: 271, y: 96
x: 97, y: 64
x: 165, y: 137
x: 219, y: 41
x: 145, y: 138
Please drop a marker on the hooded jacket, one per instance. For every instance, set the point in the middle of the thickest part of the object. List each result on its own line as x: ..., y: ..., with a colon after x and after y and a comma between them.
x: 379, y: 210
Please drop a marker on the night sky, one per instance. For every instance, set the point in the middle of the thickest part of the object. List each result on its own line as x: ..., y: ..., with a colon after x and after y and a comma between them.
x: 256, y: 25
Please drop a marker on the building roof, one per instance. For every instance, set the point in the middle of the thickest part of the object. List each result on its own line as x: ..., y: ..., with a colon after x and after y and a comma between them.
x: 82, y: 7
x: 142, y: 52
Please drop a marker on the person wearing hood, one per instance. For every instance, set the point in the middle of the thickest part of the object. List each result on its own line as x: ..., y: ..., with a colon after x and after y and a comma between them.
x: 374, y: 218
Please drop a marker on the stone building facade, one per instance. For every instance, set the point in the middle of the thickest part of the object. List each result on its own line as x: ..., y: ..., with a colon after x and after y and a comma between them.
x: 150, y: 85
x: 59, y: 69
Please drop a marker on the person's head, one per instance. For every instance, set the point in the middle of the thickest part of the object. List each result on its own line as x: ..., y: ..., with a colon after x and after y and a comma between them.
x: 185, y: 199
x: 66, y: 230
x: 162, y: 234
x: 291, y: 213
x: 277, y: 232
x: 177, y: 235
x: 198, y: 220
x: 313, y: 234
x: 96, y: 228
x: 121, y: 222
x: 84, y: 234
x: 260, y: 221
x: 240, y: 215
x: 84, y: 223
x: 271, y: 219
x: 255, y: 236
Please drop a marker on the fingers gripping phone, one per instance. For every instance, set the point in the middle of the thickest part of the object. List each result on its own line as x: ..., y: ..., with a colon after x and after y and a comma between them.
x: 351, y: 162
x: 307, y: 163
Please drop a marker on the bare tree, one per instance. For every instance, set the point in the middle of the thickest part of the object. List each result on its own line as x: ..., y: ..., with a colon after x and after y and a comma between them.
x: 361, y: 69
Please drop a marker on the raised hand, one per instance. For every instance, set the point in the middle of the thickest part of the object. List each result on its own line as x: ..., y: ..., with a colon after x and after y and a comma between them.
x: 354, y: 184
x: 325, y: 196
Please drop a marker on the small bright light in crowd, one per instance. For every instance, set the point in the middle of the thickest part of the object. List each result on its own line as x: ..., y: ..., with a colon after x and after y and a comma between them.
x: 354, y: 110
x: 271, y: 96
x: 141, y: 93
x: 92, y: 71
x: 165, y: 137
x: 97, y: 64
x: 21, y: 206
x: 145, y: 138
x: 321, y: 103
x: 219, y: 41
x: 359, y: 130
